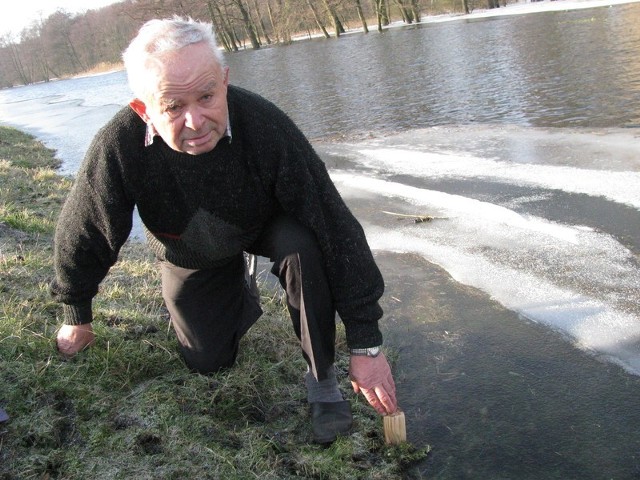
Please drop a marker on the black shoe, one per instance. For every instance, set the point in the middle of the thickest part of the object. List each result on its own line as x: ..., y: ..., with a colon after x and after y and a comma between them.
x: 330, y: 419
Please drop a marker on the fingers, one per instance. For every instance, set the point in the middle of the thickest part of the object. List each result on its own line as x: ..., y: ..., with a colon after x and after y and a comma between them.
x: 65, y: 347
x: 390, y: 386
x: 382, y: 397
x: 373, y: 400
x: 69, y: 348
x: 381, y: 401
x: 372, y: 377
x: 387, y: 400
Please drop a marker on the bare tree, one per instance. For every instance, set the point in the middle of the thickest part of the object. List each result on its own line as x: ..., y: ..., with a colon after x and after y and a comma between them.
x: 317, y: 19
x: 223, y: 30
x: 33, y: 52
x: 361, y: 16
x: 56, y: 33
x: 382, y: 13
x: 260, y: 22
x: 248, y: 24
x: 408, y: 10
x: 337, y: 24
x: 13, y: 59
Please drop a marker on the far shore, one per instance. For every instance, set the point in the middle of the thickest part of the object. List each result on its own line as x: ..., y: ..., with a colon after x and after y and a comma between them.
x: 528, y: 7
x: 518, y: 8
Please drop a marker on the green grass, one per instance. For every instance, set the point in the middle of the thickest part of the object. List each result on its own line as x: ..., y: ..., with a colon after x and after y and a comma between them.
x: 127, y: 407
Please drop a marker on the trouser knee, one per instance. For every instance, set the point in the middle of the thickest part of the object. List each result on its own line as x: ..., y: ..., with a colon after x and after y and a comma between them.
x: 210, y: 309
x: 299, y: 264
x: 207, y: 362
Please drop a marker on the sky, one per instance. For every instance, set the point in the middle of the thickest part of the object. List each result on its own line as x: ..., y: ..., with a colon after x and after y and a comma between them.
x: 15, y: 20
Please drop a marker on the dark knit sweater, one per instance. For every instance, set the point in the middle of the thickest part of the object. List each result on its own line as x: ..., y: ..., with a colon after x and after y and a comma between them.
x: 200, y: 210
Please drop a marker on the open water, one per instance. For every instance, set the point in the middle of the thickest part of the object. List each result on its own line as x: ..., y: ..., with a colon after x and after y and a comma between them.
x: 516, y: 310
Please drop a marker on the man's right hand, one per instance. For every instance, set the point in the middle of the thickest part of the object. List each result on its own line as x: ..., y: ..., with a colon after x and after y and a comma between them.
x: 75, y: 338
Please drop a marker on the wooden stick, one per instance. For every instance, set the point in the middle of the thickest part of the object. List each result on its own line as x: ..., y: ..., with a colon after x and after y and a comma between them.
x: 395, y: 430
x: 415, y: 218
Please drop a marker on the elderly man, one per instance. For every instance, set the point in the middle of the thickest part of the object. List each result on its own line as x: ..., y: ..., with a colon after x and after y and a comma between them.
x: 216, y: 171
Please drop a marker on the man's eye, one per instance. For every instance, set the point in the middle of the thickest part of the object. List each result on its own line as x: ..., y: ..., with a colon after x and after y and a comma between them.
x: 173, y: 111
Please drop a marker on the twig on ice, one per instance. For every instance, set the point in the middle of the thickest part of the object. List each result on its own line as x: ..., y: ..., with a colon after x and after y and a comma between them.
x: 416, y: 218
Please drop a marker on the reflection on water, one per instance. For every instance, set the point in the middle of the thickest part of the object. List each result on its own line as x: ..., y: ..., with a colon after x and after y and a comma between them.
x: 552, y: 69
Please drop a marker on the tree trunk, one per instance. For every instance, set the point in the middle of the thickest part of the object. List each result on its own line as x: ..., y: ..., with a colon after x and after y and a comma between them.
x: 274, y: 29
x: 405, y: 11
x: 317, y: 19
x: 249, y: 27
x: 74, y: 55
x: 382, y: 13
x: 261, y: 23
x: 361, y: 16
x: 376, y: 5
x: 230, y: 40
x: 415, y: 8
x: 230, y: 26
x: 17, y: 64
x: 337, y: 24
x: 285, y: 20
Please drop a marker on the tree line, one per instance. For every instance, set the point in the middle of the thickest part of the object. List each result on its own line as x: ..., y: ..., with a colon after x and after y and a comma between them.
x: 64, y: 44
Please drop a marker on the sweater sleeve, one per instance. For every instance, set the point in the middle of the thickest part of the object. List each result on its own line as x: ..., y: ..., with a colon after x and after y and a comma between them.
x: 305, y: 190
x: 94, y: 223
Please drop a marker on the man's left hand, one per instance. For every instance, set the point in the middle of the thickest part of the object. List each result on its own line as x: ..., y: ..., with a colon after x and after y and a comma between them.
x: 372, y: 376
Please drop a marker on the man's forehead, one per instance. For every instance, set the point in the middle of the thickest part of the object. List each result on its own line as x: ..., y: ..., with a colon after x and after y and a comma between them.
x: 165, y: 94
x: 188, y: 69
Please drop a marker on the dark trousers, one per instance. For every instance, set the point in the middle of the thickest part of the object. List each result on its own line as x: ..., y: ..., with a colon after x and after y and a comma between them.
x: 211, y: 309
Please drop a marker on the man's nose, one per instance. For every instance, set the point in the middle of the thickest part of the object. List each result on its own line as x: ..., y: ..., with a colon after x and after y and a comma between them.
x: 193, y: 119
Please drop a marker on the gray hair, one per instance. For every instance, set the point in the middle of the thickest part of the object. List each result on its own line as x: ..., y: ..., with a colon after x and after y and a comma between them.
x: 157, y: 37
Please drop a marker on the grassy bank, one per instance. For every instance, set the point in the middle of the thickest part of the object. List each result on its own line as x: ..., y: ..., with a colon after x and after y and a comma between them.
x: 127, y: 407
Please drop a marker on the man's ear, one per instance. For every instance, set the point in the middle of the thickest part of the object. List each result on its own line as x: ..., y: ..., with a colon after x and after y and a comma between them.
x: 226, y: 76
x: 140, y: 108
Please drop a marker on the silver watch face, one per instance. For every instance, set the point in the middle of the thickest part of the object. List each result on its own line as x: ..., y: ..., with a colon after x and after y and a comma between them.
x: 373, y: 351
x: 368, y: 352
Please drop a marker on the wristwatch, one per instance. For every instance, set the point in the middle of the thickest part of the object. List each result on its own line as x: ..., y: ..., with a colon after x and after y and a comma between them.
x: 366, y: 352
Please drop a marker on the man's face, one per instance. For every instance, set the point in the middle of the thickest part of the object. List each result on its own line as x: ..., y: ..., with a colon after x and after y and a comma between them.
x: 188, y: 100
